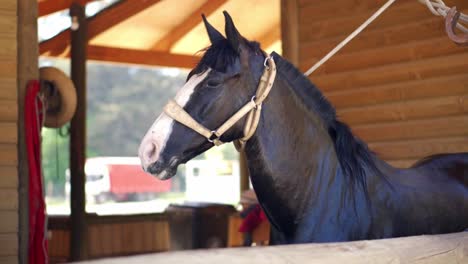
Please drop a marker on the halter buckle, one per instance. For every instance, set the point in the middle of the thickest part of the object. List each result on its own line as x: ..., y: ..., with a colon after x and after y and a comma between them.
x: 213, y: 137
x: 265, y: 62
x: 253, y: 101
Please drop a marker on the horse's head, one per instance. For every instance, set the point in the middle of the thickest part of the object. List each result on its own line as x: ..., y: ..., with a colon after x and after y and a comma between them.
x: 224, y: 80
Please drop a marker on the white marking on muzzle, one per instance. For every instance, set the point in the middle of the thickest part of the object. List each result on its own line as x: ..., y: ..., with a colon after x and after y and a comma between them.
x: 160, y: 131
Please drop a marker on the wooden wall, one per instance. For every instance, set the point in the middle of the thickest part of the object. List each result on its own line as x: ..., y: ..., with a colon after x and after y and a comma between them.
x: 8, y: 133
x: 401, y: 85
x: 111, y: 236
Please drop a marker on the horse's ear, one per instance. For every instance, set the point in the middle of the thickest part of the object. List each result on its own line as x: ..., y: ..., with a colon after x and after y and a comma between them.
x: 233, y: 36
x: 213, y: 34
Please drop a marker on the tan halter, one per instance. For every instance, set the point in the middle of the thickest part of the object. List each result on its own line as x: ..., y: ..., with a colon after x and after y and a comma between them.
x: 253, y: 108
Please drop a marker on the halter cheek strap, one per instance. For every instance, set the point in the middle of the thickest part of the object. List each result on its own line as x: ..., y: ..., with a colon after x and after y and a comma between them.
x: 252, y: 109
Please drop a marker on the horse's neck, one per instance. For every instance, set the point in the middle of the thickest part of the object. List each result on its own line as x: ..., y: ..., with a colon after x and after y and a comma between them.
x: 292, y: 160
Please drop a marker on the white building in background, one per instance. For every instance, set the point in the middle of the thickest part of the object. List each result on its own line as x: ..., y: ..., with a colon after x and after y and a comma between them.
x: 213, y: 181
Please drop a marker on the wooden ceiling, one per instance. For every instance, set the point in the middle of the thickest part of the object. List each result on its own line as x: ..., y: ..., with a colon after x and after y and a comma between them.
x: 163, y: 32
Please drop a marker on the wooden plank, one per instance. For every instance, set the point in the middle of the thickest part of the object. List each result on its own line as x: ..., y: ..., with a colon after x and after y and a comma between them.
x: 59, y: 244
x: 8, y: 110
x: 235, y: 238
x: 414, y: 70
x: 162, y: 236
x: 410, y: 90
x: 47, y: 7
x: 406, y: 110
x: 387, y: 55
x: 415, y: 129
x: 110, y: 16
x: 9, y: 242
x: 8, y: 23
x: 9, y: 132
x: 179, y: 31
x: 157, y: 241
x: 416, y: 149
x: 406, y: 12
x: 6, y: 91
x: 94, y: 241
x: 8, y: 5
x: 9, y: 259
x: 137, y: 237
x: 147, y: 236
x: 9, y: 222
x: 369, y: 39
x: 448, y: 248
x: 290, y: 30
x: 313, y: 11
x: 141, y: 57
x: 8, y: 155
x: 119, y: 234
x: 8, y: 68
x: 107, y: 239
x: 8, y: 49
x: 8, y: 199
x: 8, y: 177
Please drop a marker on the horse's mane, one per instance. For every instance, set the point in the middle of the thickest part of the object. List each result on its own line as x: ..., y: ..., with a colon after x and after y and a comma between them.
x: 353, y: 154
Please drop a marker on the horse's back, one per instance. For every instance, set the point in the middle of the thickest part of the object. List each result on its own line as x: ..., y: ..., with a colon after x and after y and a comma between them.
x: 453, y: 165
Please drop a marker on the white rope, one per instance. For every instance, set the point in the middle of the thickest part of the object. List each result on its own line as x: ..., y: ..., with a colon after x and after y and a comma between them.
x: 437, y: 7
x: 350, y: 37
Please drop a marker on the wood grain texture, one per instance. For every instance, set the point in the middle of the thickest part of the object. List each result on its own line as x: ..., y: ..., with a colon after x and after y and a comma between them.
x: 449, y: 248
x: 397, y: 72
x: 406, y: 52
x: 8, y: 200
x: 401, y: 84
x: 416, y: 129
x: 8, y: 154
x: 9, y: 242
x: 9, y: 132
x: 455, y: 85
x: 414, y: 149
x: 9, y: 222
x: 8, y: 111
x: 406, y: 110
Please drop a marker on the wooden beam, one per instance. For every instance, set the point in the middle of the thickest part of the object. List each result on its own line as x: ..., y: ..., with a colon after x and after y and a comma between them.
x: 97, y: 24
x: 448, y: 248
x: 47, y: 7
x: 27, y: 69
x: 142, y: 57
x: 166, y: 43
x: 290, y: 30
x: 270, y: 37
x: 78, y: 233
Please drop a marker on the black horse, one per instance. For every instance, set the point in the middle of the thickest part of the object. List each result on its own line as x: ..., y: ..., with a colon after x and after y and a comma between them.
x: 315, y: 180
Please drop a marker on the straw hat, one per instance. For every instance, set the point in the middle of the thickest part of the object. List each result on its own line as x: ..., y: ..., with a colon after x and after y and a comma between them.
x: 60, y: 95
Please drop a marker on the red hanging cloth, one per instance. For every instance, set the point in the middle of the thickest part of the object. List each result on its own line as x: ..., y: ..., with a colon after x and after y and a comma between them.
x: 33, y: 115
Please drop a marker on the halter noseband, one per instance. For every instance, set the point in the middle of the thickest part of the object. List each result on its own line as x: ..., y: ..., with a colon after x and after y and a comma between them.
x: 252, y: 109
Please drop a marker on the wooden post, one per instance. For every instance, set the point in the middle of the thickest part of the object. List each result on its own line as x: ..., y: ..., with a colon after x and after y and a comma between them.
x: 244, y: 172
x: 78, y: 135
x: 27, y: 70
x: 290, y: 30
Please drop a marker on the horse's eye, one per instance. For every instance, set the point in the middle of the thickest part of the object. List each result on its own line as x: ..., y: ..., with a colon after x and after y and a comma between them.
x: 213, y: 83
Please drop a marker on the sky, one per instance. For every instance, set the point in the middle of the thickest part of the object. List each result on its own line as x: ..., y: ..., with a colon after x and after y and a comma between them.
x: 51, y: 25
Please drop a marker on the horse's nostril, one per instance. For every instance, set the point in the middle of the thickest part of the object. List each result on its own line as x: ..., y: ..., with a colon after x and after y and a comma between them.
x: 150, y: 152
